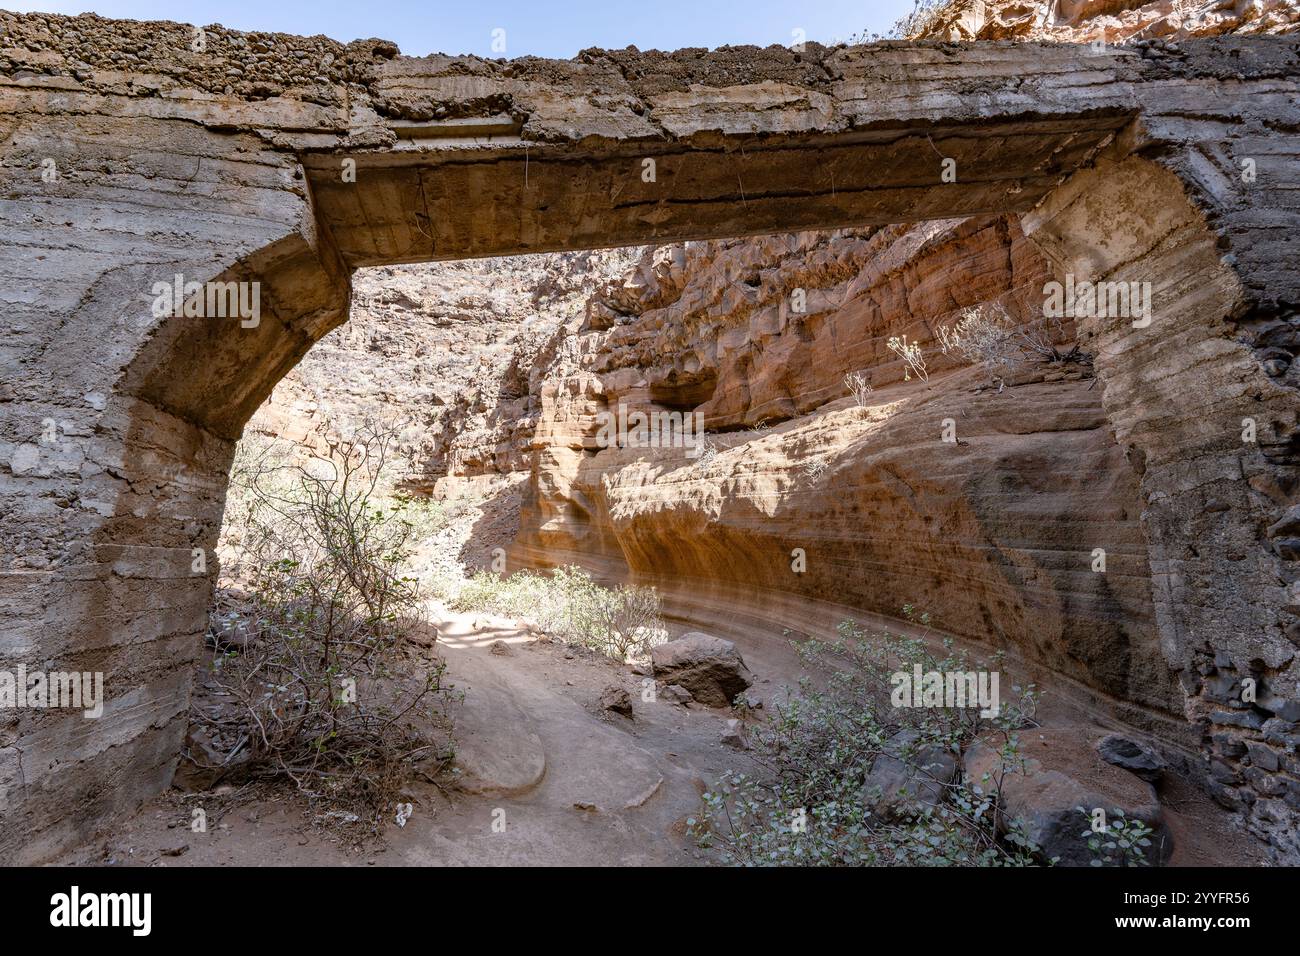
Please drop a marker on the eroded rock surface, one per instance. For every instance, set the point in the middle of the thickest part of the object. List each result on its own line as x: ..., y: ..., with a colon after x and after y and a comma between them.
x: 885, y: 511
x: 1085, y: 21
x: 448, y: 351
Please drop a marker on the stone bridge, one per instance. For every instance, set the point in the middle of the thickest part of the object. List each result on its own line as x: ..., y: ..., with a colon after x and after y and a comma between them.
x: 134, y: 153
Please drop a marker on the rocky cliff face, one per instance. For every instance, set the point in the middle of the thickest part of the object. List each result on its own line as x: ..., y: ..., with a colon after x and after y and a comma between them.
x: 515, y: 365
x: 885, y: 508
x: 445, y: 351
x: 757, y: 336
x: 1084, y: 21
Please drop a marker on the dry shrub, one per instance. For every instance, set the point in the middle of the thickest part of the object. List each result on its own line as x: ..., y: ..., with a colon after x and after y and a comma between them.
x: 984, y: 337
x: 988, y: 337
x: 859, y: 387
x: 814, y: 468
x: 622, y: 622
x: 925, y: 14
x: 912, y: 356
x: 329, y: 685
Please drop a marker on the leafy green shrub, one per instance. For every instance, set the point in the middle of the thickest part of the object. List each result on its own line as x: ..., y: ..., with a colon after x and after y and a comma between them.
x: 1122, y: 842
x: 618, y: 622
x: 811, y: 800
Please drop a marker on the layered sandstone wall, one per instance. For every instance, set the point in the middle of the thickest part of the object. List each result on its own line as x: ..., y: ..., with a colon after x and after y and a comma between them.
x: 709, y: 328
x: 995, y: 535
x: 992, y: 534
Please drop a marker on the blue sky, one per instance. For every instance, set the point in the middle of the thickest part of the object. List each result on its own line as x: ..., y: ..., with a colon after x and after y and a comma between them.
x: 535, y: 27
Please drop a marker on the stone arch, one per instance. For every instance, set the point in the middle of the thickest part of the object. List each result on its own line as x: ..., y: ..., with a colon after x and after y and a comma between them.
x: 102, y: 522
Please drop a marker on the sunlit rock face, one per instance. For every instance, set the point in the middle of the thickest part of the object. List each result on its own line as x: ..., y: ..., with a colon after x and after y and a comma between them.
x: 442, y: 352
x: 991, y: 532
x: 1084, y: 21
x: 984, y: 502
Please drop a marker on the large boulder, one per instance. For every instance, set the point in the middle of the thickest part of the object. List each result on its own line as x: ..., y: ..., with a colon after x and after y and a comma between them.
x: 710, y: 668
x: 1121, y: 751
x: 1047, y: 802
x: 908, y: 778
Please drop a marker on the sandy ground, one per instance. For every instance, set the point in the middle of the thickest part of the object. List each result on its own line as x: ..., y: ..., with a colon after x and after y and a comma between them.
x: 573, y: 785
x: 546, y: 777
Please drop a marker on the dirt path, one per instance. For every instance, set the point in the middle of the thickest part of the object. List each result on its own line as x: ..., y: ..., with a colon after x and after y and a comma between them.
x: 546, y: 777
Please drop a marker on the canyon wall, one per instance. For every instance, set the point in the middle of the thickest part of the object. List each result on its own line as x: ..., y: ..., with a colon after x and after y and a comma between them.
x: 997, y: 536
x: 443, y: 352
x: 992, y: 533
x: 1087, y: 21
